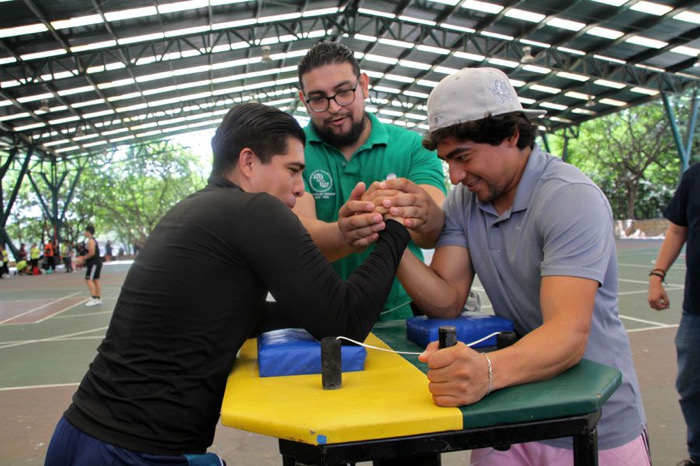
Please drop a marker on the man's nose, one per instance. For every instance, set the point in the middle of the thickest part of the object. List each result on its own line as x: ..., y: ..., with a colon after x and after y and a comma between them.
x: 457, y: 173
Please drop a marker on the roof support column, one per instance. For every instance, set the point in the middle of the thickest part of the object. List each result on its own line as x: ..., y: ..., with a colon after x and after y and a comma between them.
x: 5, y: 210
x: 684, y: 149
x: 50, y: 207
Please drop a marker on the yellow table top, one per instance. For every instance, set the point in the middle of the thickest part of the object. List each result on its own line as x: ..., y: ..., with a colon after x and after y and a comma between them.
x: 390, y: 398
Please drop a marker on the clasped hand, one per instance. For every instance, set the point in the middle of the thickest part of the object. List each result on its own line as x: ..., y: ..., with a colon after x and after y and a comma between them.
x: 458, y: 375
x: 362, y: 217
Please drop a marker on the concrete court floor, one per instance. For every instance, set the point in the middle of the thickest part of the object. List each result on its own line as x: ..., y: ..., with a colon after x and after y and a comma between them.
x: 30, y: 412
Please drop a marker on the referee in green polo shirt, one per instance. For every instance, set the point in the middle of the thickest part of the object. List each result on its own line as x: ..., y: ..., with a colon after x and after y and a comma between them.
x: 348, y: 151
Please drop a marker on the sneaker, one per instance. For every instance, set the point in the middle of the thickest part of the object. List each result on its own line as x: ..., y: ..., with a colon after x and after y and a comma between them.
x: 473, y: 303
x: 94, y: 302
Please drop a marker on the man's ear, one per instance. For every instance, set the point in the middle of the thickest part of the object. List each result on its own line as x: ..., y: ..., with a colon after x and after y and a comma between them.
x: 514, y: 138
x: 247, y: 160
x: 364, y: 84
x: 302, y: 98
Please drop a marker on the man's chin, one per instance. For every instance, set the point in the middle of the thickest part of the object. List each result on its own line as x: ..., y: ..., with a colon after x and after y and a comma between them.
x: 335, y: 138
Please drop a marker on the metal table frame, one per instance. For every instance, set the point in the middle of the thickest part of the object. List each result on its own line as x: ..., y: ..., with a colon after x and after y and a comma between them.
x: 425, y: 450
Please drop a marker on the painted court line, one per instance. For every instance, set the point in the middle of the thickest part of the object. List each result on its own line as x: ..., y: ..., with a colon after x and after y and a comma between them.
x: 66, y: 337
x: 650, y: 322
x: 644, y: 329
x: 672, y: 286
x: 31, y: 387
x: 41, y: 307
x: 61, y: 311
x: 89, y: 314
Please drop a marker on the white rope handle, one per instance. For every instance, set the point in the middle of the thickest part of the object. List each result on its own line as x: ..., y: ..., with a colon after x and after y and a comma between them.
x: 410, y: 352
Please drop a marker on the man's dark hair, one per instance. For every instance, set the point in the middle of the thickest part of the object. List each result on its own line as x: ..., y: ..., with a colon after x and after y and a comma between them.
x: 326, y: 53
x: 263, y: 129
x: 91, y: 229
x: 490, y: 130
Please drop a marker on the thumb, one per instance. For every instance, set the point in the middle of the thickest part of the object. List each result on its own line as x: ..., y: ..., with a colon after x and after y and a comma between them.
x: 358, y: 191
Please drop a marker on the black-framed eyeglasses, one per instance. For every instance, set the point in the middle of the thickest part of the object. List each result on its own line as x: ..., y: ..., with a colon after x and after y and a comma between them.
x: 343, y: 98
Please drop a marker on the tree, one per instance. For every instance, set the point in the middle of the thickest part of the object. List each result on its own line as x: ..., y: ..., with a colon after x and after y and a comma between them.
x: 631, y: 155
x: 127, y: 193
x: 123, y: 193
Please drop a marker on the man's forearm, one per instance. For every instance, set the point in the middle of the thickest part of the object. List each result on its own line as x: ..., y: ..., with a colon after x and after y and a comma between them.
x: 326, y: 236
x: 433, y: 296
x: 673, y: 243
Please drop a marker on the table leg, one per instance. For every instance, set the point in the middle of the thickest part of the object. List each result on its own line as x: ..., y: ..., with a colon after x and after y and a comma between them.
x: 421, y: 460
x: 586, y: 448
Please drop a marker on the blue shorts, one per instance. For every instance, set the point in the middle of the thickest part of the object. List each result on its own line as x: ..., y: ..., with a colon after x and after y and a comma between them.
x: 72, y: 447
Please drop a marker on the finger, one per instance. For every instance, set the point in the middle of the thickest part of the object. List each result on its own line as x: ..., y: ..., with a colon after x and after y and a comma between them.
x: 429, y: 350
x: 408, y: 212
x: 366, y: 241
x: 447, y: 401
x: 402, y: 200
x: 372, y: 188
x: 358, y: 191
x: 401, y: 184
x: 356, y: 207
x: 443, y: 358
x: 360, y: 220
x: 378, y: 195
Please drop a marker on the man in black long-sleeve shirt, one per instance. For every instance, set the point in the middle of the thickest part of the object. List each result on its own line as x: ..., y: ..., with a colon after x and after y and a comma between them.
x: 153, y: 393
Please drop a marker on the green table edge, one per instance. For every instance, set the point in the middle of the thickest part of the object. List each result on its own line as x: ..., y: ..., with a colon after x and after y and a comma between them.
x: 583, y: 389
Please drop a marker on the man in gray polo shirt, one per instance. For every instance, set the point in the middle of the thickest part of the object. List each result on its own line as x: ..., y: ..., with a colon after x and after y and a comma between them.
x: 539, y: 234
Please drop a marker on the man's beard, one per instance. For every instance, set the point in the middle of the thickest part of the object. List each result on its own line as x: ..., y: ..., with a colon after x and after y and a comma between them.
x: 341, y: 140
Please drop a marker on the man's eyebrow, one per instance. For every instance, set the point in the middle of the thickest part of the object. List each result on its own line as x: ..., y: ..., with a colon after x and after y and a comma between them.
x: 336, y: 87
x: 298, y: 165
x: 454, y: 153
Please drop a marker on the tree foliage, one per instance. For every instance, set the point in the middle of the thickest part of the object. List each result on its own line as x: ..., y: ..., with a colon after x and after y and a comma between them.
x: 124, y: 194
x: 131, y: 192
x: 632, y: 156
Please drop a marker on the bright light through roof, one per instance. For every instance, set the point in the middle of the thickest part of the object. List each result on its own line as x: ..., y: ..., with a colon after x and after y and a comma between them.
x: 457, y: 28
x: 525, y: 15
x: 470, y: 56
x: 431, y: 49
x: 76, y: 22
x: 22, y: 30
x: 566, y: 24
x: 397, y: 43
x: 651, y: 8
x: 574, y: 76
x: 605, y: 33
x: 647, y: 42
x: 412, y: 19
x: 382, y: 14
x: 181, y: 6
x: 414, y: 64
x: 612, y: 2
x: 690, y: 51
x: 606, y: 83
x: 482, y: 6
x: 446, y: 2
x: 131, y: 13
x: 688, y: 16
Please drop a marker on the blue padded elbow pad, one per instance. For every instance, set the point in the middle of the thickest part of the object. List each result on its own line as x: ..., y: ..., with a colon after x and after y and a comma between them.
x: 293, y: 351
x: 422, y: 330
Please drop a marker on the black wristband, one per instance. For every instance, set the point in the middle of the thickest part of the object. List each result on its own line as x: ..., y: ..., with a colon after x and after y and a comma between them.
x: 656, y: 273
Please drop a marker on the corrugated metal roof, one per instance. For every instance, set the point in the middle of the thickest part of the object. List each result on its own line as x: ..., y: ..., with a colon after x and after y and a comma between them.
x: 85, y: 76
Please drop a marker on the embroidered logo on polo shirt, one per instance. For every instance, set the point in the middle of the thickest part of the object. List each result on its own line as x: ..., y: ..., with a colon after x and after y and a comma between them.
x: 320, y: 184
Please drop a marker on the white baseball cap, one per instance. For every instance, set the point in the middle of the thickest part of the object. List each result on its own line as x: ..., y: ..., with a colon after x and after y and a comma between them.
x: 472, y: 94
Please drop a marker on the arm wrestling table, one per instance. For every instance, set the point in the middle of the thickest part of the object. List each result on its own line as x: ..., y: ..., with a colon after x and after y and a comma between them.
x: 386, y: 414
